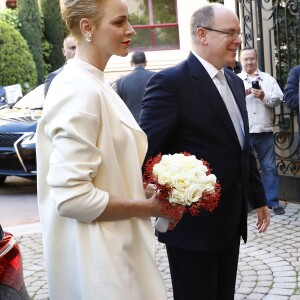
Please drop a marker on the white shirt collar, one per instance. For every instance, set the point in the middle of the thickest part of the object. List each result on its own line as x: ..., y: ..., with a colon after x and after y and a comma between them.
x: 244, y: 75
x: 211, y: 70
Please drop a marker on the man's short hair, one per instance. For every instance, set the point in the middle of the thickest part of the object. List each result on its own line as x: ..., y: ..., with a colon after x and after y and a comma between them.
x: 248, y: 48
x: 138, y: 57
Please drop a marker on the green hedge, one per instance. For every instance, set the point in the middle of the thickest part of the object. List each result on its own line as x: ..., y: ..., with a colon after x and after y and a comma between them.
x: 10, y: 16
x: 53, y: 31
x: 29, y: 16
x: 16, y: 62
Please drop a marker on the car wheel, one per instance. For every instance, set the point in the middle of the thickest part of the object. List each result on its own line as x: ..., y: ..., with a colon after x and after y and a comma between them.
x: 2, y: 178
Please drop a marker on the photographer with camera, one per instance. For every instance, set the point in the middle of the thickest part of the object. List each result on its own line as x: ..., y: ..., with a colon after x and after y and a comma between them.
x: 262, y: 95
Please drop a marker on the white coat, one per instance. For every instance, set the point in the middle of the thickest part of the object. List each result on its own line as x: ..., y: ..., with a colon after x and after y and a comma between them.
x: 89, y: 146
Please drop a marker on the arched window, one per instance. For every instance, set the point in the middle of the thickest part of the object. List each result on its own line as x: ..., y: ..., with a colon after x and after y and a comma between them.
x: 156, y: 25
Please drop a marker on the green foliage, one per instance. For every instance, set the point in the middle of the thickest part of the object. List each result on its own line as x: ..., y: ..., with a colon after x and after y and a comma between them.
x: 10, y: 17
x: 164, y: 37
x: 16, y: 62
x: 46, y: 50
x: 164, y: 11
x: 54, y: 32
x: 142, y: 38
x: 29, y: 16
x: 287, y: 42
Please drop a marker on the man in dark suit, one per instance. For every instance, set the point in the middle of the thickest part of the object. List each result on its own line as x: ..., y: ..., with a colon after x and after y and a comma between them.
x: 236, y: 67
x: 291, y: 92
x: 183, y: 110
x: 69, y: 49
x: 131, y: 87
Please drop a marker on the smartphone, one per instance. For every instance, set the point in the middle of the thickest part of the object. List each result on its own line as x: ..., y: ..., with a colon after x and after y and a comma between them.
x: 255, y: 84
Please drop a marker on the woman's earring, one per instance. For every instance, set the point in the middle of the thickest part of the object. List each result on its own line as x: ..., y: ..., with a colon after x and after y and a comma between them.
x: 89, y: 38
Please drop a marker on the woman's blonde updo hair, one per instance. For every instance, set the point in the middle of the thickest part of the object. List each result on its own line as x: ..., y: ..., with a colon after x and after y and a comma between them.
x: 74, y: 10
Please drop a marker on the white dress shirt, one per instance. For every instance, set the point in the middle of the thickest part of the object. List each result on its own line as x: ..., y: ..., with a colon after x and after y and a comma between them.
x: 260, y: 112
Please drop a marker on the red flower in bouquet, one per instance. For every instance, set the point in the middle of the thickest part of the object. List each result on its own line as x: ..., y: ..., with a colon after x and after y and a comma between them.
x: 183, y: 183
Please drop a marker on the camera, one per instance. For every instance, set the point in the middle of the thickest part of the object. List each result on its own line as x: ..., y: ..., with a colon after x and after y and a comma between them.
x: 255, y: 84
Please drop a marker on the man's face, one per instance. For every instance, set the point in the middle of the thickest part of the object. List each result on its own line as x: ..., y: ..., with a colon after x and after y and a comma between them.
x: 69, y: 48
x: 221, y: 48
x: 249, y: 61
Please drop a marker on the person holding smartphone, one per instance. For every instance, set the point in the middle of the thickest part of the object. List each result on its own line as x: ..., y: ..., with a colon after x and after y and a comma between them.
x: 262, y: 95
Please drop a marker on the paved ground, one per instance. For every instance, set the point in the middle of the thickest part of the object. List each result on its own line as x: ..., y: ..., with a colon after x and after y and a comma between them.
x: 269, y: 265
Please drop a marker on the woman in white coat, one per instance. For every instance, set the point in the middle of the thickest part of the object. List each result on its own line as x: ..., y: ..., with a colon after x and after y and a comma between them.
x: 97, y: 233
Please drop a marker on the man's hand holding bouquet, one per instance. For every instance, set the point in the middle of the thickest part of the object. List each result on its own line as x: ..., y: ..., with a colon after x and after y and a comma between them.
x: 183, y: 184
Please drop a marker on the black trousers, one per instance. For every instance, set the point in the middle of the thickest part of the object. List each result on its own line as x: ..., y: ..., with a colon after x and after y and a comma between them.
x: 204, y: 275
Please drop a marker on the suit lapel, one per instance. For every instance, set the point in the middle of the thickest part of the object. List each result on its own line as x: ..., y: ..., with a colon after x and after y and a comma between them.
x: 209, y: 93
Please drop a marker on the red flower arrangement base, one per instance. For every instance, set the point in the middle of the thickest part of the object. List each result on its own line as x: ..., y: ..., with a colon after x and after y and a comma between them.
x: 208, y: 201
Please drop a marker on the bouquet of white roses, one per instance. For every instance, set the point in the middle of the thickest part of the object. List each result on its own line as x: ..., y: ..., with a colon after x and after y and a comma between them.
x: 186, y: 182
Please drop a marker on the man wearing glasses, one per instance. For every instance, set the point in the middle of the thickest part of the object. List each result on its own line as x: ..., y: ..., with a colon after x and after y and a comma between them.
x: 261, y: 100
x: 192, y: 107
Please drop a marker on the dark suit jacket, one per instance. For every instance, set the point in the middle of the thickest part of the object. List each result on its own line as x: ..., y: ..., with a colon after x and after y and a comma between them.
x: 237, y: 68
x: 49, y: 79
x: 183, y: 111
x: 131, y: 89
x: 291, y: 91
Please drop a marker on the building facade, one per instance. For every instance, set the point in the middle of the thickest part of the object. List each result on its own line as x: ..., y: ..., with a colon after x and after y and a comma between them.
x: 159, y: 59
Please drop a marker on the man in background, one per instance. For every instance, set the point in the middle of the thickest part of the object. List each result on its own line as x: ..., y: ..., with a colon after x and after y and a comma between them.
x: 131, y: 87
x: 291, y: 92
x: 235, y: 67
x: 260, y: 102
x: 69, y: 49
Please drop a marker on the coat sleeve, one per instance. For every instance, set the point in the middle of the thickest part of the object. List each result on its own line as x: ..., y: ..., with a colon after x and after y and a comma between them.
x: 257, y: 196
x: 159, y: 113
x: 73, y: 130
x: 48, y: 81
x: 291, y: 90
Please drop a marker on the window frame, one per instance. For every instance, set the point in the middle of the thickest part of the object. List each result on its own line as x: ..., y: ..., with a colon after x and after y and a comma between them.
x: 152, y: 26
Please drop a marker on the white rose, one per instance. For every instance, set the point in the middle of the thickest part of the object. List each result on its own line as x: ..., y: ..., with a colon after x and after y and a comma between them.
x: 158, y: 168
x: 161, y: 174
x: 188, y: 162
x: 193, y: 193
x: 201, y: 167
x: 165, y: 165
x: 164, y: 178
x: 200, y: 176
x: 176, y: 196
x: 210, y: 183
x: 180, y: 183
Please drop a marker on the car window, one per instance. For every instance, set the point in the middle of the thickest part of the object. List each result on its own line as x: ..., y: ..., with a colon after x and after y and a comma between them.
x: 32, y: 100
x: 1, y: 233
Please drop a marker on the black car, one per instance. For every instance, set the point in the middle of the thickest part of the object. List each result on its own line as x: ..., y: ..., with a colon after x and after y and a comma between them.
x: 18, y: 124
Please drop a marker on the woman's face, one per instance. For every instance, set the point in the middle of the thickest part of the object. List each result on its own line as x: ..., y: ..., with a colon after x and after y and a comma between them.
x: 112, y: 35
